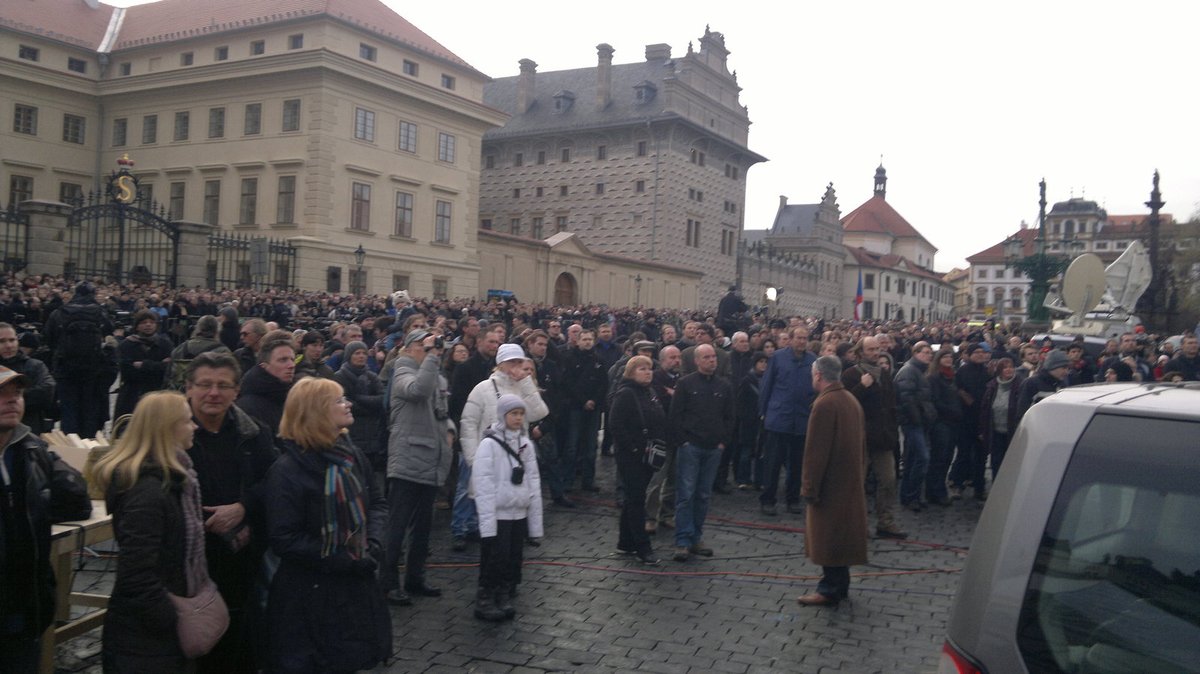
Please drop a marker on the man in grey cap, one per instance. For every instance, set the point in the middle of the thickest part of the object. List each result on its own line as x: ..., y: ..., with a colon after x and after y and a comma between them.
x: 37, y: 489
x: 419, y: 453
x: 1049, y: 378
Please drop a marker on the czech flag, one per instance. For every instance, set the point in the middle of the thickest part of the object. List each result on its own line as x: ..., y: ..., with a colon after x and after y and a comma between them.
x: 858, y: 297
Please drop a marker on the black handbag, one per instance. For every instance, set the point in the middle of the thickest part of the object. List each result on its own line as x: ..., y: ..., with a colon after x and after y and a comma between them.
x: 655, y: 452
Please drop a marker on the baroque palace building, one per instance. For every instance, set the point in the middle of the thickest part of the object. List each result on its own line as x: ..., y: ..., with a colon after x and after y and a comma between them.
x: 333, y: 124
x: 641, y: 166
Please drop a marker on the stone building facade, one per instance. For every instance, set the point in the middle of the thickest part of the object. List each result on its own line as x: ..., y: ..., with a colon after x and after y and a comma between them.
x: 644, y: 161
x: 331, y: 125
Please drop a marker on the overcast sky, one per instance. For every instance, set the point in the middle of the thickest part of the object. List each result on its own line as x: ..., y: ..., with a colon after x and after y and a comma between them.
x: 970, y: 104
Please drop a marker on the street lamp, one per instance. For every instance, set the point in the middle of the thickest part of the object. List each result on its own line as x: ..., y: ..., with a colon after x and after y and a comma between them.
x: 359, y: 256
x: 1039, y: 266
x: 637, y: 283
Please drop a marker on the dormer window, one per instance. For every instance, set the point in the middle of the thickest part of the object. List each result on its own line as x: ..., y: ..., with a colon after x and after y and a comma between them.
x: 563, y: 101
x: 644, y: 91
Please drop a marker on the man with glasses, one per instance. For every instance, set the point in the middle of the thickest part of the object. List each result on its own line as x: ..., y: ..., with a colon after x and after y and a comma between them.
x: 231, y: 453
x: 251, y: 334
x: 785, y: 398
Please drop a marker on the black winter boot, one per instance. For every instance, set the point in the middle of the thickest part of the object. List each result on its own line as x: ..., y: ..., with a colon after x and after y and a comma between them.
x: 485, y: 605
x: 504, y: 602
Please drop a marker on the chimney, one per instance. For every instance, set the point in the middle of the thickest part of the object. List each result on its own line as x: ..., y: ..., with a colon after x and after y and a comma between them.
x: 658, y: 52
x: 604, y: 76
x: 525, y: 86
x: 782, y: 201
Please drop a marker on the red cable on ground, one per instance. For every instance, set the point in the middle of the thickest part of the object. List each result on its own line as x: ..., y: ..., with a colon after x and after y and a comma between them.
x: 701, y: 574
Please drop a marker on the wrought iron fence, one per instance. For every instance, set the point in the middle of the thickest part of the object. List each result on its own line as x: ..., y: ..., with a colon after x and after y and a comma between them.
x: 250, y: 262
x: 14, y: 239
x: 121, y: 243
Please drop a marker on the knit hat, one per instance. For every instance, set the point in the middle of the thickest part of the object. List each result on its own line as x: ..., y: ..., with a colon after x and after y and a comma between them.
x: 508, y: 352
x: 351, y: 348
x: 507, y: 403
x: 1055, y: 359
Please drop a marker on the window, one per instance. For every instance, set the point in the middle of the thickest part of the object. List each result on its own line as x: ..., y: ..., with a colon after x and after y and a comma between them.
x: 697, y: 157
x: 285, y: 202
x: 248, y: 206
x: 514, y: 226
x: 181, y: 125
x: 70, y: 193
x: 601, y: 152
x: 562, y: 190
x: 221, y: 54
x: 541, y: 157
x: 408, y: 137
x: 536, y: 229
x: 76, y: 65
x: 641, y: 148
x: 1115, y: 570
x: 20, y: 188
x: 441, y: 224
x: 74, y: 128
x: 489, y: 162
x: 404, y: 214
x: 516, y: 193
x: 364, y: 125
x: 901, y: 286
x: 566, y: 154
x: 599, y: 188
x: 366, y: 51
x: 411, y: 68
x: 187, y: 58
x: 887, y: 284
x: 28, y: 53
x: 149, y: 129
x: 538, y: 191
x: 485, y: 223
x: 639, y: 186
x: 291, y: 115
x: 446, y: 147
x: 868, y: 281
x: 258, y: 48
x: 1102, y: 245
x: 125, y: 69
x: 447, y: 82
x: 25, y: 119
x: 981, y: 298
x: 253, y: 123
x: 333, y: 280
x: 868, y: 310
x: 358, y: 281
x: 519, y: 159
x: 120, y: 131
x: 693, y: 233
x: 296, y: 41
x: 731, y: 171
x: 216, y: 122
x: 560, y: 223
x: 360, y: 206
x: 982, y: 273
x: 441, y: 288
x: 175, y: 206
x: 212, y: 202
x: 400, y: 281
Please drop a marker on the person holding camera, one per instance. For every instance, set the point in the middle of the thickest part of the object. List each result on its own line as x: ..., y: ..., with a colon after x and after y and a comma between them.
x: 418, y: 461
x: 508, y: 499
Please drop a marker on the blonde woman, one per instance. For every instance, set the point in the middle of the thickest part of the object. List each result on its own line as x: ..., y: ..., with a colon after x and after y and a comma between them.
x: 326, y: 524
x: 154, y: 498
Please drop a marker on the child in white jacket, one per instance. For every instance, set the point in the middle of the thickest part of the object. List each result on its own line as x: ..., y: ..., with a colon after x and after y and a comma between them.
x: 508, y: 499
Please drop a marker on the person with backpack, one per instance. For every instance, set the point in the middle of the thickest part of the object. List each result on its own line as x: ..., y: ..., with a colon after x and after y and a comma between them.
x: 83, y: 367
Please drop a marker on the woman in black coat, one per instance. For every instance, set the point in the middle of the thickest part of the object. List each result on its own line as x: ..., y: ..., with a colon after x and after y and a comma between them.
x: 945, y: 398
x: 154, y: 498
x: 637, y: 417
x: 365, y: 391
x: 325, y: 610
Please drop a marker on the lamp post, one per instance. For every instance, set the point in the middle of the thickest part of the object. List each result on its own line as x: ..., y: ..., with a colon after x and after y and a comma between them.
x: 359, y: 256
x: 637, y: 284
x: 1039, y: 266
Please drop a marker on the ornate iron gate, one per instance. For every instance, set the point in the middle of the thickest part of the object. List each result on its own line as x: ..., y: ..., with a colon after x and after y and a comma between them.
x: 121, y: 237
x: 14, y: 239
x: 242, y: 261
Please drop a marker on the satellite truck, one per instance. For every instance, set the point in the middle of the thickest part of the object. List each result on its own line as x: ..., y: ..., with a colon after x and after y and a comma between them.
x: 1096, y: 302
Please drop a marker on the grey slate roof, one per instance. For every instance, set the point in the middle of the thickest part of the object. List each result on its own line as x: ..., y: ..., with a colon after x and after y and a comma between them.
x: 795, y: 220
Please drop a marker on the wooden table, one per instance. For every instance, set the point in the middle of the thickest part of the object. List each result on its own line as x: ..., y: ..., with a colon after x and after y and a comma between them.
x: 65, y: 540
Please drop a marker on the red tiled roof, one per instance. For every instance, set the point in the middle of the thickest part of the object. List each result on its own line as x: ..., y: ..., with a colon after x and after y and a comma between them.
x: 995, y: 254
x: 876, y: 215
x: 168, y: 20
x: 866, y: 258
x: 68, y: 21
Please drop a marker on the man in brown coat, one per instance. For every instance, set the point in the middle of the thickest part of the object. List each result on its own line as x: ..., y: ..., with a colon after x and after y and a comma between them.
x: 834, y: 467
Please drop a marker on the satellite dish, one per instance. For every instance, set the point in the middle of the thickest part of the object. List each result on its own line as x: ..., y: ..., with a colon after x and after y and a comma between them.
x: 1084, y: 284
x: 772, y: 294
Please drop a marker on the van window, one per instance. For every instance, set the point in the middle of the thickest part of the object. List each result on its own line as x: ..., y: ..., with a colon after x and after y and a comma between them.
x: 1116, y: 581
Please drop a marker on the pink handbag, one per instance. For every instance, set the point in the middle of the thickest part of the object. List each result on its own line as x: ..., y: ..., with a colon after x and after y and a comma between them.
x: 202, y: 619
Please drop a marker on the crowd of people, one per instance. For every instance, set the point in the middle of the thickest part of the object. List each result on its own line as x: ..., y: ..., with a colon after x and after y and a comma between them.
x: 357, y: 418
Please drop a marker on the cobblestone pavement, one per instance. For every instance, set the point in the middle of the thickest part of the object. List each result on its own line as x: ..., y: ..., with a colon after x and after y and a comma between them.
x: 582, y: 609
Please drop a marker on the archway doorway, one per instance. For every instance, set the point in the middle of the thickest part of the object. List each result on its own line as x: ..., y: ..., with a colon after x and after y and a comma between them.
x: 566, y: 290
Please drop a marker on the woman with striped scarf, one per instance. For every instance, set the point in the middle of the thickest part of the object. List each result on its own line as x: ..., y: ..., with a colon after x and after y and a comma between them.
x: 326, y: 524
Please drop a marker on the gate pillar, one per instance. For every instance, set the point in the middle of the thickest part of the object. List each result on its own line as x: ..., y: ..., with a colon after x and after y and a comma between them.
x: 192, y: 259
x: 47, y: 222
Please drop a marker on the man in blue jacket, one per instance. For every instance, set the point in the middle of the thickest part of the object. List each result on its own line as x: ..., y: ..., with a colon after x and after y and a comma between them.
x: 785, y: 398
